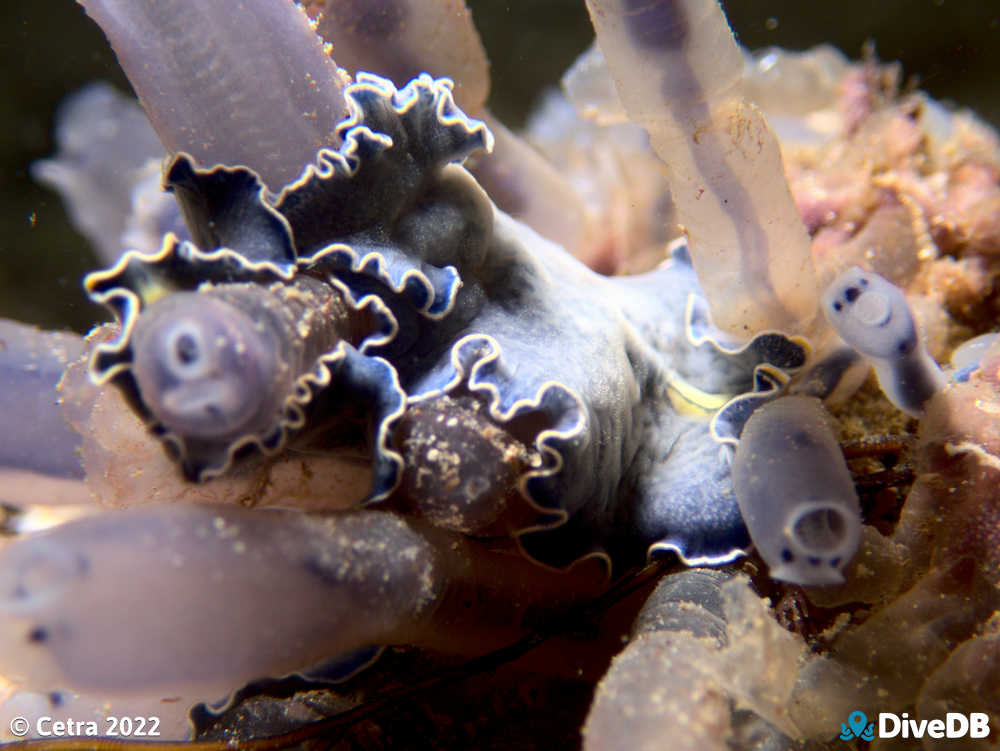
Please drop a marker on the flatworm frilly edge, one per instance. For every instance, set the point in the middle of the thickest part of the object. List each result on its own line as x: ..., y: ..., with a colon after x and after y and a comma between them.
x: 434, y: 293
x: 260, y: 225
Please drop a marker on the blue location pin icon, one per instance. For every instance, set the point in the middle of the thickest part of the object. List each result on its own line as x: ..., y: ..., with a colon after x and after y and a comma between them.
x: 857, y: 721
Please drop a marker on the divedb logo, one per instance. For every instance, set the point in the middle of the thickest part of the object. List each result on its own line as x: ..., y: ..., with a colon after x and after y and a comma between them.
x: 954, y: 725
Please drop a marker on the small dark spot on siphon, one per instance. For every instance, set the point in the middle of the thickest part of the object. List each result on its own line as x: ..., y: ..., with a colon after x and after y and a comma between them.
x: 905, y: 346
x: 82, y: 564
x: 835, y: 562
x: 656, y: 24
x: 186, y: 349
x: 801, y: 438
x: 863, y: 282
x: 325, y: 572
x: 814, y: 561
x: 786, y: 555
x: 851, y: 294
x: 838, y: 306
x: 55, y: 699
x: 38, y: 635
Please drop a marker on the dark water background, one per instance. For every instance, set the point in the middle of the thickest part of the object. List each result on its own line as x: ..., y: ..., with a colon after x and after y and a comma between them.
x: 48, y: 48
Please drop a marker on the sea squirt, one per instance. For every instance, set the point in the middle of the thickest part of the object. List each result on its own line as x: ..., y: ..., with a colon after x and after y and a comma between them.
x: 725, y: 171
x: 796, y: 492
x: 872, y: 315
x: 188, y: 62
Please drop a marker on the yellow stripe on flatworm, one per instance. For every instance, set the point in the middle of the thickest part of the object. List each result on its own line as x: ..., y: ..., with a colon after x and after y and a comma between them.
x: 691, y: 401
x: 151, y: 290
